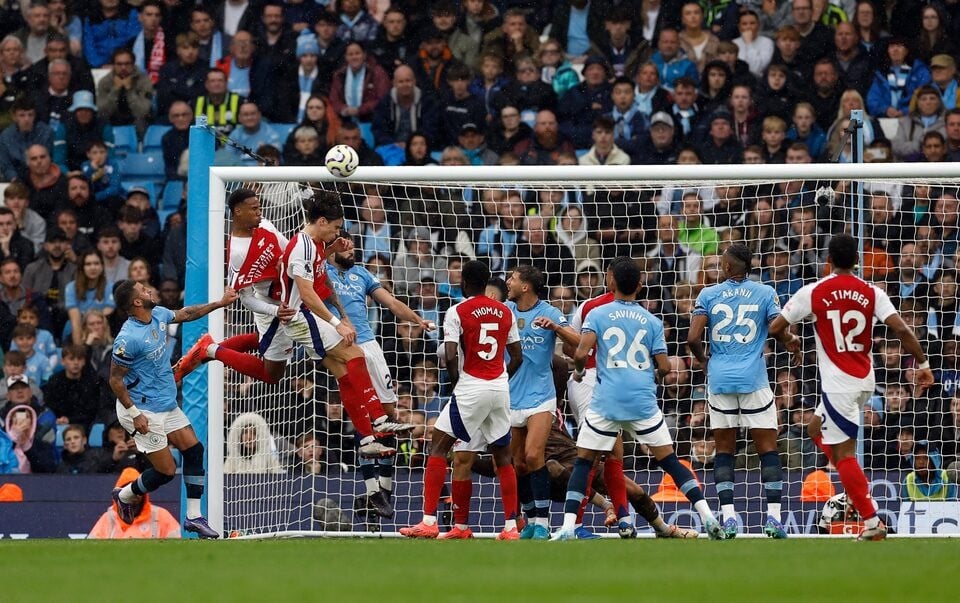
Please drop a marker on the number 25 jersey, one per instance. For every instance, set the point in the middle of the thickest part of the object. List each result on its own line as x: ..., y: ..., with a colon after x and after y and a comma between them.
x: 482, y: 328
x: 843, y: 308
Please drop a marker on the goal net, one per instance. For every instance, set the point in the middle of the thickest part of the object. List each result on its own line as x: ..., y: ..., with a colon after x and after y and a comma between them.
x: 289, y: 450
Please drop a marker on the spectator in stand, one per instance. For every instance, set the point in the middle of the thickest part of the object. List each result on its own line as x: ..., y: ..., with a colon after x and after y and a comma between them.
x: 244, y: 70
x: 774, y: 135
x: 135, y: 242
x: 77, y: 242
x: 125, y: 96
x: 152, y: 45
x: 928, y: 116
x: 477, y: 19
x: 115, y: 266
x: 98, y: 339
x: 181, y: 79
x: 508, y: 132
x: 934, y: 38
x: 659, y: 148
x: 816, y: 39
x: 24, y: 339
x: 319, y: 115
x: 103, y: 173
x: 470, y: 141
x: 34, y: 35
x: 349, y: 134
x: 361, y: 86
x: 805, y: 129
x: 77, y: 130
x: 113, y: 25
x: 27, y: 428
x: 671, y: 61
x: 250, y: 446
x: 306, y: 148
x: 417, y: 151
x: 856, y: 67
x: 44, y: 343
x: 403, y: 110
x: 219, y: 105
x: 356, y: 23
x: 527, y: 92
x: 78, y: 458
x: 13, y: 244
x: 928, y: 481
x: 16, y: 197
x: 933, y: 147
x: 15, y: 363
x: 211, y: 39
x: 58, y: 47
x: 432, y: 61
x: 89, y: 214
x: 52, y: 100
x: 253, y: 131
x: 546, y: 144
x: 698, y: 44
x: 176, y: 140
x: 747, y: 123
x: 48, y: 276
x: 825, y: 93
x: 650, y: 97
x: 849, y: 101
x: 756, y: 50
x: 539, y: 247
x: 686, y: 114
x: 515, y: 37
x: 943, y: 69
x: 457, y: 105
x: 150, y: 521
x: 585, y: 102
x: 715, y: 84
x: 557, y: 70
x: 394, y: 45
x: 90, y: 290
x: 489, y: 83
x: 605, y: 151
x: 622, y: 45
x: 895, y: 81
x: 787, y: 54
x: 18, y: 137
x: 776, y: 96
x: 721, y: 145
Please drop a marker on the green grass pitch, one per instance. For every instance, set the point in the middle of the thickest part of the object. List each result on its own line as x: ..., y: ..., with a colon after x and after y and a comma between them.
x: 741, y: 571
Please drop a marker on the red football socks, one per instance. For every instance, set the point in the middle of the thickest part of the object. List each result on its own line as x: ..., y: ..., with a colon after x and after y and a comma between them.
x: 244, y: 363
x: 248, y: 342
x: 508, y: 491
x: 855, y: 484
x: 433, y: 478
x: 587, y: 495
x: 616, y: 486
x: 354, y: 407
x: 825, y: 448
x: 357, y: 369
x: 462, y: 492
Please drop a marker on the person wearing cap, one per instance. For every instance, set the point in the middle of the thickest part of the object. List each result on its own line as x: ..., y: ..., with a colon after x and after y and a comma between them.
x: 359, y: 86
x: 432, y: 61
x: 50, y: 273
x: 928, y: 480
x: 899, y: 76
x: 77, y: 130
x: 110, y: 25
x: 721, y: 146
x: 586, y: 101
x: 943, y: 68
x: 457, y: 106
x: 470, y: 140
x: 20, y: 395
x: 356, y: 24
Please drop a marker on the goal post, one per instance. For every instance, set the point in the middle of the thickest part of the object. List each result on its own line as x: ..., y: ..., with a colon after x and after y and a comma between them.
x: 283, y: 501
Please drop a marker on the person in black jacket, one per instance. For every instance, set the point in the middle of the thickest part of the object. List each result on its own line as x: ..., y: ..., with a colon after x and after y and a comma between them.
x: 78, y: 457
x: 183, y: 78
x: 73, y: 394
x: 12, y: 242
x: 539, y: 247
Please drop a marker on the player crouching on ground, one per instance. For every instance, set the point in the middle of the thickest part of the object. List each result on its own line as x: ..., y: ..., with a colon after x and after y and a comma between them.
x: 628, y: 340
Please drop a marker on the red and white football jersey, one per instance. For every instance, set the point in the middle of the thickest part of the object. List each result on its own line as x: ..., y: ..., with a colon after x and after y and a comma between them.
x: 581, y: 314
x: 255, y: 261
x: 482, y: 328
x: 307, y: 259
x: 843, y: 308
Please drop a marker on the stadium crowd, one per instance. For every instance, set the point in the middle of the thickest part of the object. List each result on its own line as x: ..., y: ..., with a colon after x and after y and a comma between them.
x: 97, y: 165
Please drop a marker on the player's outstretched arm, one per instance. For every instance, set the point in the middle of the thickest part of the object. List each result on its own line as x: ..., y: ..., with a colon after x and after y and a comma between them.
x: 588, y: 339
x: 695, y: 339
x: 452, y: 356
x: 566, y: 334
x: 117, y: 373
x: 200, y: 310
x: 400, y: 309
x: 912, y: 345
x: 516, y: 357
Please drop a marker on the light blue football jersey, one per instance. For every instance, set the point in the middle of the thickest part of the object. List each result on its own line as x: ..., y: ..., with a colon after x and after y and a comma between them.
x: 628, y: 339
x: 352, y: 287
x: 738, y: 314
x: 532, y: 384
x: 142, y: 348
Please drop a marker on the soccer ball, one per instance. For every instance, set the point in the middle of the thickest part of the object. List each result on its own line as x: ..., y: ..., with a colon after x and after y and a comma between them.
x: 342, y: 160
x: 825, y: 195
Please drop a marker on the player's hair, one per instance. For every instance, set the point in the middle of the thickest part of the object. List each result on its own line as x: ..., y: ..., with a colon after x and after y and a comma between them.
x: 322, y: 204
x: 627, y: 276
x: 500, y: 285
x: 239, y: 196
x: 475, y: 275
x: 531, y: 275
x: 123, y: 295
x: 842, y: 250
x: 743, y: 256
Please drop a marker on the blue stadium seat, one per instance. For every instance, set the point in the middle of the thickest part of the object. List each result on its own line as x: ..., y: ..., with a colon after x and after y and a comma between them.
x: 59, y: 439
x: 143, y: 166
x: 283, y: 130
x: 153, y: 137
x: 172, y: 193
x: 164, y: 213
x: 150, y: 185
x: 95, y: 438
x: 366, y: 130
x: 125, y: 140
x: 436, y: 155
x: 582, y: 152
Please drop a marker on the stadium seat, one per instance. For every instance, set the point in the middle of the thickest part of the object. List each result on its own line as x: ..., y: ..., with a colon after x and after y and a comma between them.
x: 125, y: 140
x: 283, y: 130
x: 172, y: 193
x: 98, y: 74
x: 582, y: 152
x: 153, y: 137
x: 150, y: 185
x: 95, y: 438
x: 366, y: 130
x: 164, y: 212
x: 143, y: 166
x: 889, y: 125
x: 59, y: 438
x: 436, y: 155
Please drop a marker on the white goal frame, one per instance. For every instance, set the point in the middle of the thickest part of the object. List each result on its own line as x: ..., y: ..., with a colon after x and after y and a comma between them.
x: 219, y: 177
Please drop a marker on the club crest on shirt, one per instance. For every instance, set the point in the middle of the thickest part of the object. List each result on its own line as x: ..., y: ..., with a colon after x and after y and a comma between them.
x: 121, y: 347
x: 153, y: 333
x: 521, y: 322
x: 354, y: 277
